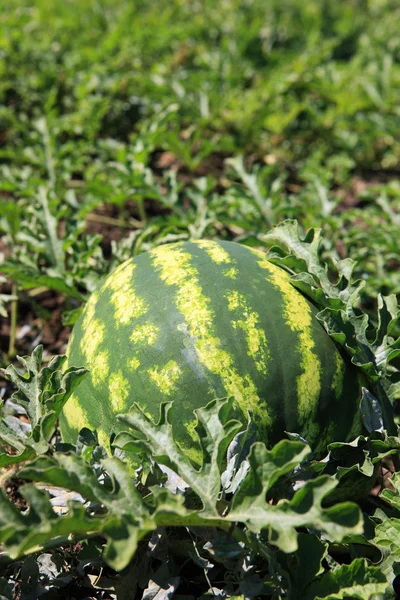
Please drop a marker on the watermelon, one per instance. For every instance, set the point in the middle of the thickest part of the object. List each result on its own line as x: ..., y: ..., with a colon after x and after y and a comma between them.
x: 190, y: 322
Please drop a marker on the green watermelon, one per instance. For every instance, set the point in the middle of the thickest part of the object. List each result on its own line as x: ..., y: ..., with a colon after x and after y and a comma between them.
x: 193, y: 321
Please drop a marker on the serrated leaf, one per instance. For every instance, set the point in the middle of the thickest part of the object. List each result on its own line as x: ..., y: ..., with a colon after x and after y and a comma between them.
x: 306, y: 250
x: 54, y: 244
x: 28, y: 278
x: 371, y: 412
x: 6, y: 590
x: 123, y: 535
x: 124, y: 518
x: 388, y: 533
x: 306, y: 564
x: 249, y: 504
x: 160, y: 443
x: 224, y: 547
x: 118, y: 512
x: 304, y: 510
x: 265, y: 468
x: 357, y: 580
x: 154, y: 591
x: 74, y: 473
x: 392, y: 496
x: 40, y: 527
x: 237, y: 463
x: 355, y: 464
x: 42, y: 394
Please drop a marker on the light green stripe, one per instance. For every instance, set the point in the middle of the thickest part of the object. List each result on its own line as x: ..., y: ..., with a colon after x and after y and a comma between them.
x: 166, y: 377
x: 93, y: 330
x: 119, y: 389
x: 249, y: 321
x: 127, y: 304
x: 176, y: 268
x: 298, y: 317
x: 146, y: 333
x: 74, y: 414
x: 215, y: 251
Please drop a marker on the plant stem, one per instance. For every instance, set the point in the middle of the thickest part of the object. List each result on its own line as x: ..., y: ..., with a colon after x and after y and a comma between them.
x: 49, y: 155
x: 55, y: 245
x: 114, y: 222
x: 142, y: 212
x: 37, y: 291
x: 13, y: 323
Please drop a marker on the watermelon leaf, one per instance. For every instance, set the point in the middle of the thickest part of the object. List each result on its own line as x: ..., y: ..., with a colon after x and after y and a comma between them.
x: 42, y: 395
x: 304, y: 510
x: 371, y: 412
x: 28, y: 278
x: 112, y: 506
x: 214, y: 439
x: 249, y: 503
x: 40, y: 527
x: 359, y: 580
x: 237, y: 463
x: 392, y: 496
x: 120, y: 513
x: 5, y: 299
x: 355, y: 465
x: 301, y: 256
x: 305, y: 564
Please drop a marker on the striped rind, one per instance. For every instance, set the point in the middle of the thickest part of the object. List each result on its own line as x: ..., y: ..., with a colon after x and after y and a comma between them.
x: 193, y: 321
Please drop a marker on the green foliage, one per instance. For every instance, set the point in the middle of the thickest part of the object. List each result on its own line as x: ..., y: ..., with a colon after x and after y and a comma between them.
x: 41, y: 394
x: 111, y: 504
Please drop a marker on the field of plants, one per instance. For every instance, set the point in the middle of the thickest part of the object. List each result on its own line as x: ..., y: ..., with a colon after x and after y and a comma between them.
x: 126, y: 126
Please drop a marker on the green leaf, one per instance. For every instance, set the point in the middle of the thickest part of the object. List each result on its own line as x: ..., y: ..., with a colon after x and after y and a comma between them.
x: 392, y: 497
x: 28, y: 278
x: 42, y: 394
x: 305, y: 564
x: 249, y: 504
x: 54, y: 244
x: 265, y: 468
x: 305, y: 254
x: 214, y: 440
x: 124, y: 518
x: 304, y: 510
x: 74, y: 473
x: 117, y: 511
x: 237, y: 463
x: 357, y: 580
x: 371, y: 412
x: 355, y: 464
x: 6, y: 590
x: 388, y: 534
x: 40, y: 527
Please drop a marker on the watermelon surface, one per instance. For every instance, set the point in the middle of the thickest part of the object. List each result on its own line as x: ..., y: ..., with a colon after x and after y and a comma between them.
x: 190, y: 322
